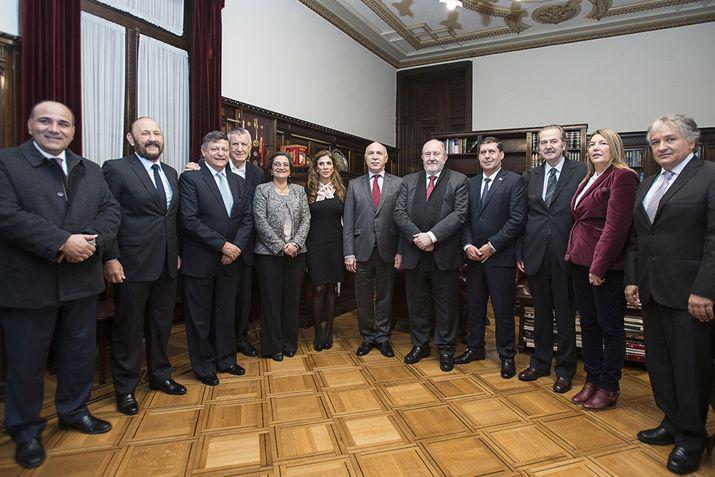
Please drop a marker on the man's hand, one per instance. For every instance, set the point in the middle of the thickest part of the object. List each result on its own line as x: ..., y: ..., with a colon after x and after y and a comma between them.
x: 114, y: 272
x: 484, y: 252
x: 472, y: 253
x: 595, y: 280
x: 351, y: 264
x: 398, y: 261
x: 701, y: 308
x: 290, y: 249
x: 78, y: 248
x: 231, y: 251
x: 423, y: 241
x: 192, y: 166
x: 633, y: 296
x: 226, y: 260
x: 520, y: 266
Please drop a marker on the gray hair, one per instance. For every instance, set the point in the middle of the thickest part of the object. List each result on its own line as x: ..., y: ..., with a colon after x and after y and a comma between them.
x: 213, y: 136
x: 553, y: 126
x: 686, y: 125
x: 241, y: 132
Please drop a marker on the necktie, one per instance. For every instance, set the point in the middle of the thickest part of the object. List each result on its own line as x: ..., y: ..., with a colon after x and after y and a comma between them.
x: 225, y: 191
x: 485, y: 191
x: 375, y: 190
x: 550, y: 186
x: 430, y: 186
x: 59, y: 162
x: 159, y: 186
x: 652, y: 206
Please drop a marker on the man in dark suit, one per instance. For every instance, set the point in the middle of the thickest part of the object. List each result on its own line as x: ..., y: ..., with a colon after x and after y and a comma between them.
x: 370, y: 246
x: 497, y: 211
x: 215, y: 223
x: 56, y: 217
x: 240, y: 153
x: 142, y: 264
x: 670, y: 270
x: 430, y: 211
x: 540, y: 255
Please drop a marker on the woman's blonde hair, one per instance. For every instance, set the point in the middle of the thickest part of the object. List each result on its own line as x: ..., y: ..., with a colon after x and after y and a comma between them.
x: 314, y: 177
x: 615, y: 144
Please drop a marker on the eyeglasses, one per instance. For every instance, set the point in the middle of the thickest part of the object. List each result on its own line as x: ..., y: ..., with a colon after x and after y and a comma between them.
x: 281, y: 165
x: 432, y: 154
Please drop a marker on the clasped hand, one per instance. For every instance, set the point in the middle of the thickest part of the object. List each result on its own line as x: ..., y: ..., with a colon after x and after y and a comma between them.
x: 78, y: 248
x: 423, y: 241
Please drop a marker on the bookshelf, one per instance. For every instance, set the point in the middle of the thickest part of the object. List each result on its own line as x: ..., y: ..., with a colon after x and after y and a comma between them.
x: 520, y: 147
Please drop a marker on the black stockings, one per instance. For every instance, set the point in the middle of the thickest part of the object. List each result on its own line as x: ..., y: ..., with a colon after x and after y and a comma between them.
x: 323, y: 311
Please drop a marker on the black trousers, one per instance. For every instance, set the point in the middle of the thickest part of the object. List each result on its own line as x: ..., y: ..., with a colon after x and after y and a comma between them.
x: 374, y: 280
x: 499, y: 283
x: 679, y: 353
x: 433, y: 288
x: 603, y: 337
x: 210, y: 304
x: 142, y: 308
x: 244, y: 300
x: 71, y: 330
x: 552, y: 291
x: 281, y: 278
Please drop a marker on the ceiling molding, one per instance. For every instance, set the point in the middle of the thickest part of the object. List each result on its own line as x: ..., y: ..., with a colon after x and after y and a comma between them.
x: 645, y: 6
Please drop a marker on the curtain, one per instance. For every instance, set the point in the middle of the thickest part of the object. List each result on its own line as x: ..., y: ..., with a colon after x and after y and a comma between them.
x: 163, y: 94
x: 51, y: 60
x: 205, y: 72
x: 103, y: 86
x: 166, y: 14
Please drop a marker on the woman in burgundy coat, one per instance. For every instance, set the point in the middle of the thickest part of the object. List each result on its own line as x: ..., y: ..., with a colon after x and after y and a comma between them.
x: 602, y: 209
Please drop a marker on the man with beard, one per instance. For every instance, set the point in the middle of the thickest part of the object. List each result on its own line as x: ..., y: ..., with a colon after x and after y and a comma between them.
x: 142, y: 264
x: 430, y: 211
x: 239, y: 140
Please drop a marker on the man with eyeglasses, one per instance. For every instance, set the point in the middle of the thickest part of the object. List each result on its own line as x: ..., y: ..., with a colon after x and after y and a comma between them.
x: 430, y: 211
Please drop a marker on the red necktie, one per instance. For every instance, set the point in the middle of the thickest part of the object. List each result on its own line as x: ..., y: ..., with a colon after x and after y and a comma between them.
x: 430, y: 186
x: 375, y: 190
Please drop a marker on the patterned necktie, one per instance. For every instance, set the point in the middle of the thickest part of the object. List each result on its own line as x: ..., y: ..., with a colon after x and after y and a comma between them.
x: 550, y: 186
x: 430, y: 186
x: 159, y: 186
x: 485, y: 191
x: 375, y: 190
x: 59, y: 162
x: 652, y: 206
x: 225, y: 191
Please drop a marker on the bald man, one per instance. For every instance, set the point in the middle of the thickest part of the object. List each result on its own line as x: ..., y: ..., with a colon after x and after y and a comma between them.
x: 370, y: 247
x: 142, y: 264
x: 57, y: 216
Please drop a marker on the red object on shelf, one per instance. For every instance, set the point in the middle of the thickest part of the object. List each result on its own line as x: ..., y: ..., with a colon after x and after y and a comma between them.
x: 298, y: 152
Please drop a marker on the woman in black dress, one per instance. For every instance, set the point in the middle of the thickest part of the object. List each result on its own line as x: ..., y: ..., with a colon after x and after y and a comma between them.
x: 326, y: 196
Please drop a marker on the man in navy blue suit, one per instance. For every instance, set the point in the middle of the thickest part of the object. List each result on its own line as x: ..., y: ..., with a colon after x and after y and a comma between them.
x: 497, y: 211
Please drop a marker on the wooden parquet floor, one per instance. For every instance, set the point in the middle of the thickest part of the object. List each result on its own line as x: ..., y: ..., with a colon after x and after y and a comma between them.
x: 336, y: 414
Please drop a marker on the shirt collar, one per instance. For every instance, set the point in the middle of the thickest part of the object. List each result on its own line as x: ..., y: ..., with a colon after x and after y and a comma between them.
x: 47, y: 155
x: 372, y: 174
x: 492, y: 175
x: 436, y: 174
x: 679, y: 168
x: 558, y: 166
x: 213, y: 171
x: 146, y: 162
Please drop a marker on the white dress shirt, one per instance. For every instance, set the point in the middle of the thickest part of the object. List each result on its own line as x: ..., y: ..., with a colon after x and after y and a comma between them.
x: 548, y: 168
x: 661, y: 177
x: 590, y: 182
x: 164, y: 180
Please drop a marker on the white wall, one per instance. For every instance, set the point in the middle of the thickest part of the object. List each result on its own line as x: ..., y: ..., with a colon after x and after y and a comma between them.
x: 622, y: 83
x: 10, y: 17
x: 290, y: 60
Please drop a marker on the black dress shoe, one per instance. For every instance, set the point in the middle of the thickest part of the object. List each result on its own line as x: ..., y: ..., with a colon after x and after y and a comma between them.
x: 659, y: 436
x: 684, y: 461
x: 318, y: 346
x: 416, y: 354
x: 385, y: 349
x: 87, y: 424
x: 446, y: 362
x: 290, y: 354
x: 247, y: 349
x: 127, y: 404
x: 234, y: 369
x: 327, y: 344
x: 470, y: 355
x: 364, y: 348
x: 562, y: 385
x: 277, y: 357
x: 168, y: 387
x: 532, y: 374
x: 508, y: 368
x: 31, y: 453
x: 210, y: 380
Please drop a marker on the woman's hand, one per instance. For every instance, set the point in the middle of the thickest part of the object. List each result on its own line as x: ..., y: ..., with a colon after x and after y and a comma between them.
x: 290, y: 249
x: 595, y: 281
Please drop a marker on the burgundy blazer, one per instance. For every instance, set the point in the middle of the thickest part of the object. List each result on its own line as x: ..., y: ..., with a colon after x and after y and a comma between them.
x: 602, y: 221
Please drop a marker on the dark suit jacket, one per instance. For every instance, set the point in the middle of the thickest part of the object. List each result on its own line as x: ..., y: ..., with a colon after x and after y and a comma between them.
x: 364, y: 225
x: 447, y: 253
x: 544, y: 224
x: 602, y: 221
x: 499, y: 220
x: 675, y: 255
x: 37, y: 215
x: 147, y: 237
x: 205, y: 226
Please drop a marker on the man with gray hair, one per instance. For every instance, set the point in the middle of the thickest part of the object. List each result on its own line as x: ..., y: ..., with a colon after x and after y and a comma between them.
x: 670, y: 272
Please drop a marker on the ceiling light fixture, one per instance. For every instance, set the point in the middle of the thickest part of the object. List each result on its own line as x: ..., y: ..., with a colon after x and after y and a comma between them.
x: 451, y: 4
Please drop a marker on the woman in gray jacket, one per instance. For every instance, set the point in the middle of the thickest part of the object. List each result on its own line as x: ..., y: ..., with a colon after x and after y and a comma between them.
x: 282, y: 221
